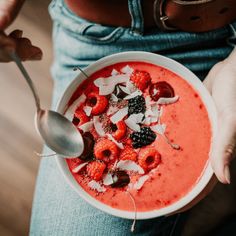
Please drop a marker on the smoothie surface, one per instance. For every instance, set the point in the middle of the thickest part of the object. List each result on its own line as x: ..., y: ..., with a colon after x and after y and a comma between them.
x: 187, y: 125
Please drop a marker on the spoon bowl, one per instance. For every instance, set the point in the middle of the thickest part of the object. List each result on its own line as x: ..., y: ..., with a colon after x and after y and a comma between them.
x: 59, y: 133
x: 56, y: 130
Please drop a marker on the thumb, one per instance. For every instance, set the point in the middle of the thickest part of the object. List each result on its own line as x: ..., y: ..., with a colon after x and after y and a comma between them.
x: 8, y: 11
x: 223, y: 148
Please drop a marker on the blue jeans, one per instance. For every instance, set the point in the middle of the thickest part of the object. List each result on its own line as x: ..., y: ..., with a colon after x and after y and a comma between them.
x: 57, y: 209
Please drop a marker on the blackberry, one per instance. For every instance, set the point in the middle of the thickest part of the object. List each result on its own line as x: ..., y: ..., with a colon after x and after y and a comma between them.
x: 136, y: 105
x: 142, y: 138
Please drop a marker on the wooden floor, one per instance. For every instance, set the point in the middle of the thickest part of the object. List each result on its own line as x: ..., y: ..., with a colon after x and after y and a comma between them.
x: 18, y: 138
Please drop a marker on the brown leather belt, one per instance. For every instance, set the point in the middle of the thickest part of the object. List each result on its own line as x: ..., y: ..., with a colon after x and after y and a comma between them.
x: 186, y: 15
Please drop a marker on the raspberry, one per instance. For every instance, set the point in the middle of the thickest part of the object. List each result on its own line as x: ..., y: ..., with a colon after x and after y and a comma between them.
x: 106, y: 150
x: 97, y: 102
x: 136, y: 105
x: 141, y: 79
x: 128, y: 154
x: 95, y: 170
x: 119, y: 130
x: 161, y: 89
x: 149, y: 158
x: 142, y: 138
x: 80, y: 117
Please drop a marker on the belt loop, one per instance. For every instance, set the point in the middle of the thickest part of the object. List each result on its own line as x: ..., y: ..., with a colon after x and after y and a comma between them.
x: 136, y: 13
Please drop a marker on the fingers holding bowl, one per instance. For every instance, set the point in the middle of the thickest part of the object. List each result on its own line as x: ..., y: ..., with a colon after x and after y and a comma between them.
x: 224, y: 146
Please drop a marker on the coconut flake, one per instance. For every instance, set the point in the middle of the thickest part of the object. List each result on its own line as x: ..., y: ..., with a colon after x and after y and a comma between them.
x: 148, y: 101
x: 132, y: 125
x: 147, y: 121
x: 86, y: 127
x: 107, y: 179
x: 133, y: 120
x: 87, y: 110
x: 94, y: 185
x: 114, y: 72
x: 106, y: 90
x: 127, y: 70
x: 149, y: 113
x: 125, y: 89
x: 98, y: 126
x: 155, y: 110
x: 141, y: 181
x: 111, y: 110
x: 107, y: 85
x: 137, y: 118
x: 131, y: 86
x: 119, y: 145
x: 72, y: 108
x: 100, y: 81
x: 153, y: 119
x: 79, y: 167
x: 159, y: 128
x: 114, y: 98
x: 133, y: 95
x: 167, y: 101
x: 119, y: 115
x: 129, y: 166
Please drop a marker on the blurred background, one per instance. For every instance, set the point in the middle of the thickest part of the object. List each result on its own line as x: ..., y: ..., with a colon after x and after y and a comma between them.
x: 18, y: 137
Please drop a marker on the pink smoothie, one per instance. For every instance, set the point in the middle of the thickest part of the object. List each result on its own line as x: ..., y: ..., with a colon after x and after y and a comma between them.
x: 187, y: 124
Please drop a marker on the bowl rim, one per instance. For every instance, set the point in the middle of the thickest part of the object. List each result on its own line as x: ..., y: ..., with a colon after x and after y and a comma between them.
x: 185, y: 74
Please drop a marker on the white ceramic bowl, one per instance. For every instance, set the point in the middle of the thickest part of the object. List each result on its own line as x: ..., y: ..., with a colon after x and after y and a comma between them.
x: 186, y: 75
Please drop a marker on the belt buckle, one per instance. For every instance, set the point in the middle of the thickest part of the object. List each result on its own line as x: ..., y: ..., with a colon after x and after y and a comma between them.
x: 159, y: 15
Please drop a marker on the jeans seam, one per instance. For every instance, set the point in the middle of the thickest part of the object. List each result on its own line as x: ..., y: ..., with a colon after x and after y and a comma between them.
x: 137, y: 24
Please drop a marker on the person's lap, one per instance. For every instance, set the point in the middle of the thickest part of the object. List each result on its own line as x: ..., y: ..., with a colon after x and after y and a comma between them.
x: 57, y: 209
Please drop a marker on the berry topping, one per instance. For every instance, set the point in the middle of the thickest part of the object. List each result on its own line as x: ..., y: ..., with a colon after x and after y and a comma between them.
x: 88, y: 147
x: 128, y: 154
x: 161, y: 90
x: 106, y: 150
x: 141, y: 79
x: 149, y: 158
x: 97, y: 102
x: 142, y: 138
x: 120, y: 179
x: 80, y: 117
x: 95, y: 170
x: 136, y: 105
x: 118, y: 130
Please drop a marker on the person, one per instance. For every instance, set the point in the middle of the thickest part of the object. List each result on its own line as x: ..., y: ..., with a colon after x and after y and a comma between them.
x: 83, y: 32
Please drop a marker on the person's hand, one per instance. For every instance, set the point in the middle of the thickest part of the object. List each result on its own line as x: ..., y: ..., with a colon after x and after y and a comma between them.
x: 14, y: 41
x: 219, y: 204
x: 221, y: 82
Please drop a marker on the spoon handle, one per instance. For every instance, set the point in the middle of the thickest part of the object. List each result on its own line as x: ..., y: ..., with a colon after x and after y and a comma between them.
x: 29, y: 81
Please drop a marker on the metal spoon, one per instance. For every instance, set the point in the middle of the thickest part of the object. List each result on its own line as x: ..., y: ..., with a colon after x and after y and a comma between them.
x: 57, y: 131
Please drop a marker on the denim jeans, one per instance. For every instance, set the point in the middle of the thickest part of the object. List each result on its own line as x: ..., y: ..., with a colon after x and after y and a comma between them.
x: 57, y: 209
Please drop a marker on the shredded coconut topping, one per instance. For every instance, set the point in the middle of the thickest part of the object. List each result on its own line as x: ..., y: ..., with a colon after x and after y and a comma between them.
x: 129, y: 166
x: 98, y: 126
x: 79, y: 167
x: 167, y: 101
x: 86, y: 127
x: 94, y: 185
x: 71, y: 110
